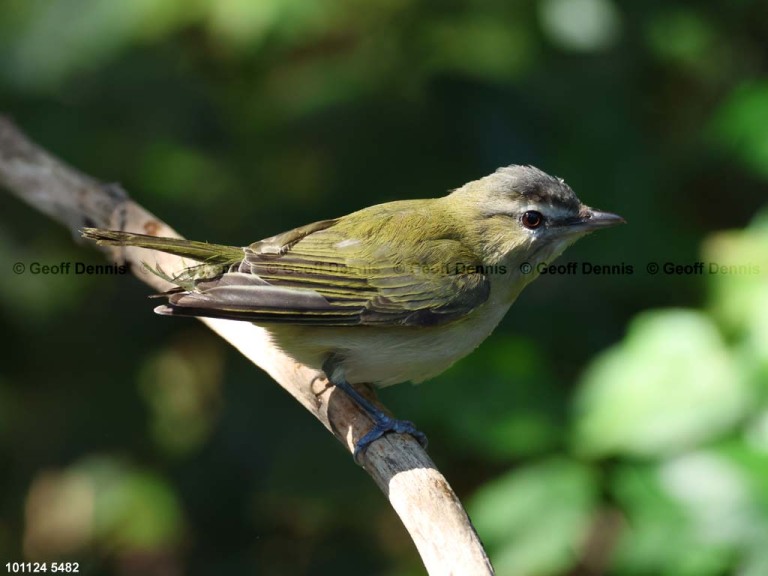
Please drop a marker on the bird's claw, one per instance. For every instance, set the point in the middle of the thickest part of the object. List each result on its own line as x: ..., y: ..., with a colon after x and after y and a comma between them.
x: 387, y: 425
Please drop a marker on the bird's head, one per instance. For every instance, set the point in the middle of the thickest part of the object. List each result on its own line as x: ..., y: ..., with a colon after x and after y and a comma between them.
x: 521, y: 214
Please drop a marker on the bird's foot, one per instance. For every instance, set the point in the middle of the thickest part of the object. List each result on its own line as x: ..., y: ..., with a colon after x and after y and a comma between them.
x: 383, y: 425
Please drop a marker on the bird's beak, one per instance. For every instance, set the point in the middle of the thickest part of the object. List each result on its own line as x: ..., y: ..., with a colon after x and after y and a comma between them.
x: 591, y: 219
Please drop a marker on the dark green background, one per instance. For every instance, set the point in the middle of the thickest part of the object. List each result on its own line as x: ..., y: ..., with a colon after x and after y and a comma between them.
x: 612, y: 424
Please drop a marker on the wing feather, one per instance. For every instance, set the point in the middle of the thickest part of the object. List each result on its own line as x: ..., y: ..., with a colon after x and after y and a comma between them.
x: 338, y: 273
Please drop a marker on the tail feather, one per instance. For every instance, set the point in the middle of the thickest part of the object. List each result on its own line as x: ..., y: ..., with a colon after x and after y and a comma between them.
x: 200, y: 251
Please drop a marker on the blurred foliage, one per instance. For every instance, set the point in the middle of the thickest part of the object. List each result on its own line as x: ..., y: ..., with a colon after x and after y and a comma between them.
x: 669, y: 385
x: 141, y: 445
x: 534, y: 518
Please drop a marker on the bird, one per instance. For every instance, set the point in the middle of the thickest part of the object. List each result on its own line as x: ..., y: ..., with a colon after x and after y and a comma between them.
x: 391, y: 293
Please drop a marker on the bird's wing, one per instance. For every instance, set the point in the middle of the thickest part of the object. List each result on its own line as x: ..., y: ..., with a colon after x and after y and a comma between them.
x: 339, y: 273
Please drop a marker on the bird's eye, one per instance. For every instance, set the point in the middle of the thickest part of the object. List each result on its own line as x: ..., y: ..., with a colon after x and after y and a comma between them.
x: 532, y: 219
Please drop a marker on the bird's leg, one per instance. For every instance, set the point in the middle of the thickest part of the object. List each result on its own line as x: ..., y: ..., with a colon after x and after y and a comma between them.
x: 382, y: 423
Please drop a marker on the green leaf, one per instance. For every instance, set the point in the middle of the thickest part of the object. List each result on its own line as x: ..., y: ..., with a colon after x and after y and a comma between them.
x: 739, y: 289
x: 534, y: 519
x: 659, y: 535
x: 695, y: 513
x: 671, y: 384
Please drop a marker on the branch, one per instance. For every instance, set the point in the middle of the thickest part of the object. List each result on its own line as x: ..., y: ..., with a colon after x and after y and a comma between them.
x: 421, y: 496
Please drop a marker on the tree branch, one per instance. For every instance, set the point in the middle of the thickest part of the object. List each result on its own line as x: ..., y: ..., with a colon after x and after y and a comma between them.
x: 421, y: 496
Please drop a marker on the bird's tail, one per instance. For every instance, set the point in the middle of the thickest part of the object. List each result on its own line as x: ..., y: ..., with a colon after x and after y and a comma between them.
x: 200, y: 251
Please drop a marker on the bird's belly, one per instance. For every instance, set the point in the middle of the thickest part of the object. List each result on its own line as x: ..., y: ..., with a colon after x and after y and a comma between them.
x: 387, y: 355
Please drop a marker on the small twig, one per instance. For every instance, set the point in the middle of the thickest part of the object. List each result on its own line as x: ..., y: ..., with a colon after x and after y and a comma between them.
x: 425, y: 502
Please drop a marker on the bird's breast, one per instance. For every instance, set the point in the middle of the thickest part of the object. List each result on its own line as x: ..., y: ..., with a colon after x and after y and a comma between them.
x: 390, y: 355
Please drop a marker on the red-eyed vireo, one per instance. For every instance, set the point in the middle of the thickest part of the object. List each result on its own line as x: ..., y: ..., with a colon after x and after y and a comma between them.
x: 391, y: 293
